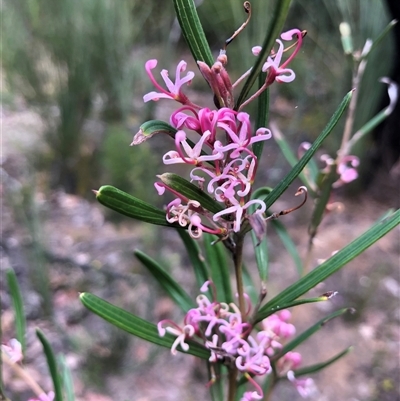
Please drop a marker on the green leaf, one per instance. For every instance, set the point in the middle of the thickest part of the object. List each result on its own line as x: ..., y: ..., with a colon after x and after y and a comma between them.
x: 261, y: 253
x: 52, y: 364
x: 67, y: 381
x: 307, y: 370
x: 249, y: 287
x: 216, y: 372
x: 322, y: 201
x: 190, y: 191
x: 273, y: 32
x: 289, y: 244
x: 291, y: 158
x: 130, y: 206
x: 381, y: 36
x: 193, y: 31
x: 216, y: 259
x: 308, y: 333
x: 18, y: 305
x: 151, y: 128
x: 298, y: 168
x: 332, y: 265
x: 137, y: 326
x: 298, y: 302
x: 196, y: 258
x: 169, y: 285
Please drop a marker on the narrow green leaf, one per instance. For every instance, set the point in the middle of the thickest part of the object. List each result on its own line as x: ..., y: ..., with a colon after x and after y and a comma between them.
x: 381, y: 36
x: 332, y: 265
x: 308, y: 333
x: 193, y: 31
x: 151, y: 128
x: 137, y: 326
x: 67, y: 381
x: 298, y: 168
x: 322, y: 201
x: 262, y: 114
x: 249, y: 286
x: 130, y: 206
x: 307, y: 370
x: 288, y: 244
x: 52, y: 364
x: 273, y: 32
x: 190, y: 191
x: 216, y: 259
x: 215, y: 372
x: 169, y: 285
x: 261, y: 253
x: 196, y: 258
x: 291, y: 158
x: 18, y: 305
x: 298, y: 302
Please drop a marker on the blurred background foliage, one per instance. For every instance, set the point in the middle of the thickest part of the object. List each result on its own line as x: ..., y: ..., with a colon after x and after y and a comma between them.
x: 79, y: 63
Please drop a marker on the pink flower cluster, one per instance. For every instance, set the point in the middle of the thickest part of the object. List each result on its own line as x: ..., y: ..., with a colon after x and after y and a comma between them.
x: 220, y: 151
x: 221, y: 329
x: 225, y: 171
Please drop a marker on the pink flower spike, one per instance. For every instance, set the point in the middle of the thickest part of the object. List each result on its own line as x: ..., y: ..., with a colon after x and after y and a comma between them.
x: 174, y: 89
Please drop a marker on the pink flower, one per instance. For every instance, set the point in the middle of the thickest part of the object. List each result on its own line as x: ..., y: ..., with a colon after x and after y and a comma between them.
x: 291, y: 360
x: 44, y: 397
x: 277, y: 70
x: 237, y: 209
x: 187, y: 331
x: 174, y: 89
x: 194, y: 155
x: 253, y: 359
x: 13, y: 349
x: 277, y: 324
x: 347, y: 170
x: 305, y: 387
x: 240, y: 137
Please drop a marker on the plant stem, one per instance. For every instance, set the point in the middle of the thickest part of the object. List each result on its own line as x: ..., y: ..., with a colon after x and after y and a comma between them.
x: 271, y: 384
x: 232, y: 384
x: 237, y: 259
x: 348, y: 128
x: 23, y: 375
